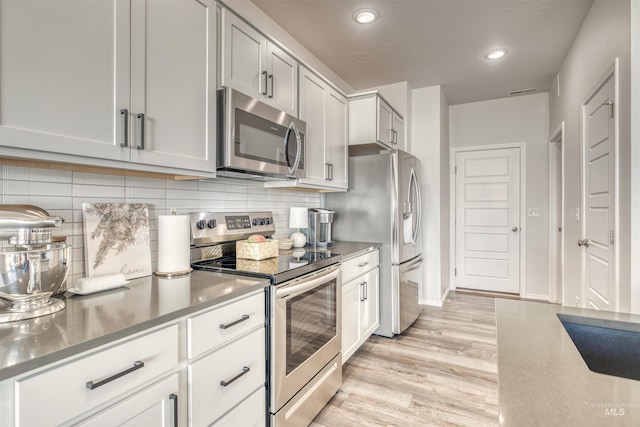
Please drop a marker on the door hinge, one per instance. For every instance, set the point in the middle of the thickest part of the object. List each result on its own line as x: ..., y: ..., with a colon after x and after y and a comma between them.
x: 455, y: 271
x: 612, y: 238
x: 455, y: 170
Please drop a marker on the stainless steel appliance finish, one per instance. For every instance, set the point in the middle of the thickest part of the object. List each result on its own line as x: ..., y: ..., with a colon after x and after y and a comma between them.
x: 32, y: 268
x: 256, y: 139
x: 383, y: 204
x: 303, y: 312
x: 319, y: 231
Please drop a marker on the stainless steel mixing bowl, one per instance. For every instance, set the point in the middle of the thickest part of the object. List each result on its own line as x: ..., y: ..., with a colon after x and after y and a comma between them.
x: 30, y: 276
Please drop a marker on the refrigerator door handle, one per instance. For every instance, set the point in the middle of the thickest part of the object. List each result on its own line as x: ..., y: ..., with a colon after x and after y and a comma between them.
x: 413, y: 181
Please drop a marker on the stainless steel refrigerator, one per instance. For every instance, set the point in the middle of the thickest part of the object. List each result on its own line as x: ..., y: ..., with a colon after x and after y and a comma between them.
x: 383, y: 205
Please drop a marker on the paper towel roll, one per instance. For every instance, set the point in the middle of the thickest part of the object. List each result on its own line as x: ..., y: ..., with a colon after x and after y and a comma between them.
x: 173, y: 244
x: 98, y: 283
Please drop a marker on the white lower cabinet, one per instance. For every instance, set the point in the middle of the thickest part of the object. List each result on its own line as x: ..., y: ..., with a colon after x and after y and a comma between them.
x: 250, y: 413
x: 156, y: 406
x: 148, y: 379
x: 65, y: 392
x: 360, y: 306
x: 224, y: 378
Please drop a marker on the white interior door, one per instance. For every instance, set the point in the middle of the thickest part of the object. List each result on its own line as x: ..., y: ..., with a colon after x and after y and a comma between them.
x: 488, y: 220
x: 598, y: 281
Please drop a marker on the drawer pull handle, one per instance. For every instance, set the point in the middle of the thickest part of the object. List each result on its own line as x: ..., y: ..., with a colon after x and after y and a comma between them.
x: 224, y: 383
x: 228, y: 325
x: 363, y: 264
x: 91, y: 385
x: 174, y: 397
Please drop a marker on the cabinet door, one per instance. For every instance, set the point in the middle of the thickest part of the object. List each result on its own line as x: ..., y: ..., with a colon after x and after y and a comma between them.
x: 312, y: 111
x: 385, y: 122
x: 398, y: 128
x: 155, y: 406
x: 336, y: 141
x: 64, y: 76
x: 243, y: 54
x: 351, y: 296
x: 282, y: 80
x: 173, y: 69
x: 370, y: 310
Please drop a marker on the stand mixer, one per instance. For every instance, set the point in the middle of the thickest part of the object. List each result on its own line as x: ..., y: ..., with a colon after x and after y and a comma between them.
x: 32, y: 267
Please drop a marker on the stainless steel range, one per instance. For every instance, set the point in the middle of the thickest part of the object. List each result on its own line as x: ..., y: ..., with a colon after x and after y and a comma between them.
x: 303, y: 311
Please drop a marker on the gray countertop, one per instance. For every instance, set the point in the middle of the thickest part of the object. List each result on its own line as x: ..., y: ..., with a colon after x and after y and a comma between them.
x: 93, y: 320
x: 348, y: 250
x: 543, y: 380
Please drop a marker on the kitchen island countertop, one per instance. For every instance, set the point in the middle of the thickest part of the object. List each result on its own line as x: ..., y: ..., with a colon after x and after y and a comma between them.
x: 94, y: 320
x: 543, y: 380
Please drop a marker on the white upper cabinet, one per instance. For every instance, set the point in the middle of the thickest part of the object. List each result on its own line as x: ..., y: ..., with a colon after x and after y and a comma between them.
x: 124, y: 80
x: 374, y: 122
x: 173, y: 83
x: 64, y: 76
x: 256, y: 67
x: 325, y: 112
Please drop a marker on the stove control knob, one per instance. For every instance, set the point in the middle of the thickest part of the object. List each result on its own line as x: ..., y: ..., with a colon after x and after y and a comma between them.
x: 212, y: 223
x: 202, y: 224
x: 269, y: 220
x: 255, y: 221
x: 261, y: 221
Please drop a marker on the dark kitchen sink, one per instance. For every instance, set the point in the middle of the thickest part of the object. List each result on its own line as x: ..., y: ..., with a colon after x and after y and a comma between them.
x: 608, y: 347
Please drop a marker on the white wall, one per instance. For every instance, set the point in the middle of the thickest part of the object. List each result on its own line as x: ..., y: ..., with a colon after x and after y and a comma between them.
x: 514, y: 120
x: 429, y: 140
x: 63, y: 192
x: 635, y: 156
x: 604, y: 35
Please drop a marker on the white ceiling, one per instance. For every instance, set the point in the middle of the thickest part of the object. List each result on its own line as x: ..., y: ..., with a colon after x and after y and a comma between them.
x: 437, y: 42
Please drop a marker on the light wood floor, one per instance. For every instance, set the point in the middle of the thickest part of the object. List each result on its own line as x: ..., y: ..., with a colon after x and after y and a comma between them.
x: 441, y: 372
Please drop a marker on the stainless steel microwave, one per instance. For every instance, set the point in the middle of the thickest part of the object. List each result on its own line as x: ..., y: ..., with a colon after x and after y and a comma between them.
x: 257, y: 139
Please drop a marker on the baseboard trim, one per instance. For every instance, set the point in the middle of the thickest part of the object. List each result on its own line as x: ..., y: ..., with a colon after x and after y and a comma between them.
x: 435, y: 302
x: 538, y: 297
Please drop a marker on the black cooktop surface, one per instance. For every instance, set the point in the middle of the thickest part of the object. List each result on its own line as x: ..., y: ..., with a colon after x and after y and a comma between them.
x: 277, y: 269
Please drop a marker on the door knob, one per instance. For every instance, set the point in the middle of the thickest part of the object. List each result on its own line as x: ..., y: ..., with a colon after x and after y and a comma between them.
x: 583, y: 242
x: 514, y: 229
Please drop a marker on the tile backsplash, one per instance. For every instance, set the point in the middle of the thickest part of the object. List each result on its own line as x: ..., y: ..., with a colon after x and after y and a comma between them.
x: 62, y: 193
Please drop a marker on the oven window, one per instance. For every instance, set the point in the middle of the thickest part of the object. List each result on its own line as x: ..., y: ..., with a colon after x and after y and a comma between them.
x: 311, y: 323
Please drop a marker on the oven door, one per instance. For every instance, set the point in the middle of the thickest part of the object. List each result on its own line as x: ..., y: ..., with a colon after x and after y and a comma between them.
x: 305, y: 331
x: 260, y: 139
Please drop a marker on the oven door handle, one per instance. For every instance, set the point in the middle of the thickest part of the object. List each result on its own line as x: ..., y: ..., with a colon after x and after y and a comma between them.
x: 303, y: 285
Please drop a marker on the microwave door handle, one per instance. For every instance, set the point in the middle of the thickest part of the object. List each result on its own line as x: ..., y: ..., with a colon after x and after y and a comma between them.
x: 296, y: 162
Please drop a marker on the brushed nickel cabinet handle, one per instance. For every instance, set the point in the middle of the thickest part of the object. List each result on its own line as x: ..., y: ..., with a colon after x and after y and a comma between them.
x: 124, y: 113
x: 264, y: 83
x: 270, y: 95
x: 363, y: 264
x: 362, y: 298
x: 228, y: 325
x: 225, y: 383
x: 140, y: 117
x: 92, y: 385
x: 174, y: 397
x: 365, y: 286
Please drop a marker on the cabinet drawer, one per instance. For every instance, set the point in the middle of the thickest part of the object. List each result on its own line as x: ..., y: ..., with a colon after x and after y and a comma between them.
x: 154, y: 406
x: 219, y: 326
x: 250, y: 413
x: 359, y: 265
x: 208, y: 398
x: 62, y: 393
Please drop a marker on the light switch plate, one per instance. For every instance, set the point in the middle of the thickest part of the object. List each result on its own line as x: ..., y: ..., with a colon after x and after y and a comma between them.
x: 534, y: 212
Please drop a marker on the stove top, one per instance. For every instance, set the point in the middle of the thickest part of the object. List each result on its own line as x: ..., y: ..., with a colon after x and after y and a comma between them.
x: 278, y: 269
x: 213, y: 236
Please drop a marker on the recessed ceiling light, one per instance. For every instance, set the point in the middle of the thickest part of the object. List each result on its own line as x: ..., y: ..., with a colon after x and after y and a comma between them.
x: 496, y: 54
x: 365, y: 16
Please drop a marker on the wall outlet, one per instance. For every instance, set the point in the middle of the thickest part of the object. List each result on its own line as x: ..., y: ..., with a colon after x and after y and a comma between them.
x: 534, y: 212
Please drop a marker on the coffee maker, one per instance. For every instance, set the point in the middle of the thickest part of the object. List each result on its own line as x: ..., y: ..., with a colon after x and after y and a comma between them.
x: 319, y: 230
